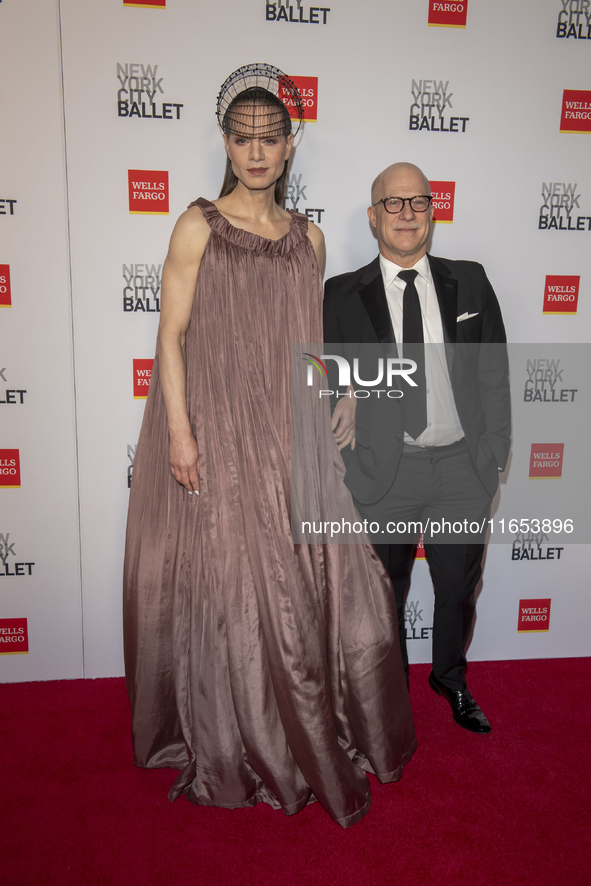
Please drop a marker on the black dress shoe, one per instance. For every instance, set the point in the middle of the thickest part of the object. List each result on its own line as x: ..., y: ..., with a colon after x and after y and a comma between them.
x: 465, y: 710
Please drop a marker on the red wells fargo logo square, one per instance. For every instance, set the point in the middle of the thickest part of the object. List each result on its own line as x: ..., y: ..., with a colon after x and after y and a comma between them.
x: 546, y: 461
x: 148, y: 192
x: 420, y: 549
x: 10, y: 469
x: 443, y: 194
x: 450, y: 14
x: 14, y: 636
x: 576, y: 110
x: 142, y: 373
x: 561, y: 294
x: 534, y: 616
x: 308, y: 89
x: 5, y: 299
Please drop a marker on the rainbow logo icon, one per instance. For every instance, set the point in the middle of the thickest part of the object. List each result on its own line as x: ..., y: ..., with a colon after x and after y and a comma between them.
x: 312, y: 360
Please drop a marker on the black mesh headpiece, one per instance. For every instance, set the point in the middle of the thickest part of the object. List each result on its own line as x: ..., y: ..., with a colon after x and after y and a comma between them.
x: 259, y: 101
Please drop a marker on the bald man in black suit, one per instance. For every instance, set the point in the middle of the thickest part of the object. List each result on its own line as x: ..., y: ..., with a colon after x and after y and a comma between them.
x: 438, y: 456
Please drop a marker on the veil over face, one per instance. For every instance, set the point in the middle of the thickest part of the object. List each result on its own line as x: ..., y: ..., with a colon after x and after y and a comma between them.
x: 257, y: 113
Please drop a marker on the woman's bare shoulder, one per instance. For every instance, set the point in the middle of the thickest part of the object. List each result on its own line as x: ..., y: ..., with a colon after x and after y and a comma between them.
x: 317, y: 239
x: 190, y: 234
x: 315, y: 235
x: 192, y: 222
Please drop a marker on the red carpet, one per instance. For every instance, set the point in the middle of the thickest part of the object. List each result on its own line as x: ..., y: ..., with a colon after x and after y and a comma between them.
x: 500, y: 810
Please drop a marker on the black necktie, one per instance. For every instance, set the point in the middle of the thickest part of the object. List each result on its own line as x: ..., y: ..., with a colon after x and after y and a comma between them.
x: 415, y: 399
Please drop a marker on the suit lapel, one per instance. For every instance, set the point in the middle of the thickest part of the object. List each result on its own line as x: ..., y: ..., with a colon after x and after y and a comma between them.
x: 371, y: 293
x: 446, y: 288
x: 373, y: 296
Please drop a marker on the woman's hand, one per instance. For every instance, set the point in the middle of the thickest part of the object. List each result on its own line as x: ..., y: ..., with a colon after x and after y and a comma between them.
x: 343, y: 420
x: 183, y: 456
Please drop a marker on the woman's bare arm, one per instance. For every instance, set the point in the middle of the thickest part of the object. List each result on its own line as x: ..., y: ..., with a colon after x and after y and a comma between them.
x: 343, y: 419
x: 317, y: 238
x: 179, y: 277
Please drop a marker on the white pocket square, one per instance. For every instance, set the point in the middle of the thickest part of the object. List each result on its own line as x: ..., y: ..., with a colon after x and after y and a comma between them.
x: 466, y: 316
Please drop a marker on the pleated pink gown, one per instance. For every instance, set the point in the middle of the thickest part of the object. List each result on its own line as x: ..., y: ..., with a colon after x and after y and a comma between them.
x: 262, y: 670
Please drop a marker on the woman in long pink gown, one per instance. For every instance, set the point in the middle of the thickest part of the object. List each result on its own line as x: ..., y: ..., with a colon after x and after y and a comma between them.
x: 263, y: 670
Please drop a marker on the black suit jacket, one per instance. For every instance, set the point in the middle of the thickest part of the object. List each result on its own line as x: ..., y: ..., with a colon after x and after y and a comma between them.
x: 356, y: 312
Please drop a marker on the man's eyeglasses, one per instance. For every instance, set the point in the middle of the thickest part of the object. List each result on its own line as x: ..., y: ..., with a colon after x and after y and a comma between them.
x: 396, y: 204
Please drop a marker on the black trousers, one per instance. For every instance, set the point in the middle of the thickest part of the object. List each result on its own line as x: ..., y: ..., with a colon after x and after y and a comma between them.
x: 436, y: 484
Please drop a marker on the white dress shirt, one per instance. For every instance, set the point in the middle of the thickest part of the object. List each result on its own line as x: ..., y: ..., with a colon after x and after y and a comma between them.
x: 443, y: 423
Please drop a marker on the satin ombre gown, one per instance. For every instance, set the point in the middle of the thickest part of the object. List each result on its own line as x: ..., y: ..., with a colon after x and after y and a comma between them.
x: 262, y: 670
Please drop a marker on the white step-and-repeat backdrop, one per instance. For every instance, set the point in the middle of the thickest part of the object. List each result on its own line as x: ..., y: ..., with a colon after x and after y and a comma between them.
x: 108, y: 132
